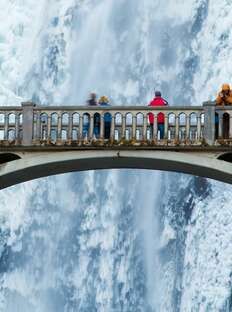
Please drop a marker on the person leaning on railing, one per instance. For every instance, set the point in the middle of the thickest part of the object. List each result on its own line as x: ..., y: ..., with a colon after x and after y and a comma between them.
x: 224, y: 98
x: 158, y: 101
x: 225, y: 95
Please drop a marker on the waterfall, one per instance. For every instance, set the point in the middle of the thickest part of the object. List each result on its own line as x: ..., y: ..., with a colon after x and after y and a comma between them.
x: 115, y: 240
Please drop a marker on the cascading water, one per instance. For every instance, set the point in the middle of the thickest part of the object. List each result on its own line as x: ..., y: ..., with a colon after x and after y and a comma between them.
x: 114, y: 240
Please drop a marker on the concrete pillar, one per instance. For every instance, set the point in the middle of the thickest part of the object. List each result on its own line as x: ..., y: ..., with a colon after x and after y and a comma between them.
x: 177, y: 127
x: 155, y: 128
x: 112, y: 128
x: 6, y: 126
x: 134, y: 121
x: 198, y: 127
x: 187, y: 127
x: 165, y: 126
x: 102, y: 124
x: 27, y: 123
x: 209, y: 125
x: 220, y: 126
x: 81, y: 127
x: 17, y: 128
x: 38, y: 127
x: 91, y: 126
x: 70, y: 126
x: 145, y: 127
x: 230, y: 130
x: 59, y: 127
x: 49, y: 127
x: 123, y: 126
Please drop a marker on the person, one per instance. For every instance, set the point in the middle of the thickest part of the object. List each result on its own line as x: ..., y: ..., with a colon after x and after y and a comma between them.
x: 225, y: 95
x: 224, y: 98
x: 158, y: 101
x: 104, y: 101
x: 92, y: 101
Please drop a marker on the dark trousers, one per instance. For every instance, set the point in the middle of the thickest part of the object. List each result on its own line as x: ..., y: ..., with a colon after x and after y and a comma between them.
x: 160, y: 129
x: 107, y: 129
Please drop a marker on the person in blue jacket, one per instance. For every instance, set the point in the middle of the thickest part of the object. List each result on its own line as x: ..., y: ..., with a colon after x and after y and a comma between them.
x: 104, y: 101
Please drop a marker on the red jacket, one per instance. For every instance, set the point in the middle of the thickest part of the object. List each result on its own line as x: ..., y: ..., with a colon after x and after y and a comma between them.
x: 157, y: 101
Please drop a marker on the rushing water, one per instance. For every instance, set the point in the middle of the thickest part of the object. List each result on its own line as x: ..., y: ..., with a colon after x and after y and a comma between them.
x: 115, y: 240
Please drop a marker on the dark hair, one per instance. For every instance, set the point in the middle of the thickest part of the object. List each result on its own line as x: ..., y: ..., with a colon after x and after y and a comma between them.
x: 157, y: 93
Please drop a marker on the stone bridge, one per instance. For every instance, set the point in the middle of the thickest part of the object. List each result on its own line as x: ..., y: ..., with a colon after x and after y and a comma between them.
x: 37, y: 141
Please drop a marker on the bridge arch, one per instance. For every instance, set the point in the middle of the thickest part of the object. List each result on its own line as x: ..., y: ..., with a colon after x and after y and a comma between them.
x: 31, y: 166
x: 7, y: 157
x: 226, y: 157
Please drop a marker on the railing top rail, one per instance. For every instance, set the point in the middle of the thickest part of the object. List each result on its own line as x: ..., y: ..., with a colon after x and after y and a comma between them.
x: 224, y: 108
x: 11, y: 109
x: 131, y: 108
x: 118, y: 108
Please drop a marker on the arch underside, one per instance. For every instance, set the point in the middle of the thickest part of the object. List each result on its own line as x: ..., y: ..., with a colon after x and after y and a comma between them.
x: 37, y: 165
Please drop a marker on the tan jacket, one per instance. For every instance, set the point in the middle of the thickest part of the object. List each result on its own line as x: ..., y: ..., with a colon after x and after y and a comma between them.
x: 224, y: 99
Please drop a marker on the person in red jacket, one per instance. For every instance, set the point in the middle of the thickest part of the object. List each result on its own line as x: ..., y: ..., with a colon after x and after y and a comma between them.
x: 158, y: 101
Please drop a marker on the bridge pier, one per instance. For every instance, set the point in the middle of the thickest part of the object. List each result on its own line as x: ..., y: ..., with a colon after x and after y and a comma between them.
x: 209, y: 123
x: 27, y: 123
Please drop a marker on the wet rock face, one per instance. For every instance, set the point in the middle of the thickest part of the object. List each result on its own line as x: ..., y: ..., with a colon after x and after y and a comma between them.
x: 182, y: 194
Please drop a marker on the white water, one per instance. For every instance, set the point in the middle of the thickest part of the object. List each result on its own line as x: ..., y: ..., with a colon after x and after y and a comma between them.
x: 93, y: 241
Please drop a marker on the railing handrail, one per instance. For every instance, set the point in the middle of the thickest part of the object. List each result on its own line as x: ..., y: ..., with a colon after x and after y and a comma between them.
x: 117, y: 107
x: 99, y: 108
x: 112, y: 108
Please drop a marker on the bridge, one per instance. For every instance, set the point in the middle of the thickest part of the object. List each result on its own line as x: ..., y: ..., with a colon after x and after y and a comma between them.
x: 38, y: 141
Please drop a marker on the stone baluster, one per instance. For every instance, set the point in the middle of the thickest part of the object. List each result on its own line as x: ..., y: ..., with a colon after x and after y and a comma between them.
x: 166, y: 126
x: 155, y: 127
x: 6, y: 126
x: 102, y: 125
x: 187, y: 126
x: 80, y: 136
x: 38, y: 127
x: 230, y: 129
x: 134, y: 122
x: 59, y: 127
x: 70, y: 126
x: 123, y: 126
x: 49, y: 127
x: 144, y: 126
x: 91, y: 126
x: 177, y: 127
x: 198, y: 126
x: 220, y: 126
x: 17, y: 127
x: 112, y: 127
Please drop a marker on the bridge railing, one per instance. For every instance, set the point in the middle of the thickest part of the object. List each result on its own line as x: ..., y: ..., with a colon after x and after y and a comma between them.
x: 76, y: 124
x: 11, y: 125
x: 70, y: 125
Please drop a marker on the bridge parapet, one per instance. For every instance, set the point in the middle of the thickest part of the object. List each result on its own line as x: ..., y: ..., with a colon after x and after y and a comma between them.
x: 31, y: 125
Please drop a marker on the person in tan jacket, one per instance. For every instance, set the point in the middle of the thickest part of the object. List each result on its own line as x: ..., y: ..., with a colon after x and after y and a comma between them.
x: 224, y: 96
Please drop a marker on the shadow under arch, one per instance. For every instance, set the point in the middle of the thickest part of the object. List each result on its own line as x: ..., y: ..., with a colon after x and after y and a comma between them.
x: 226, y: 157
x: 8, y: 157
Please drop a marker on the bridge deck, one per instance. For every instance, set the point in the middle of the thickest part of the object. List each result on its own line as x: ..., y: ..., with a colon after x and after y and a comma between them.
x: 38, y: 141
x: 62, y: 125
